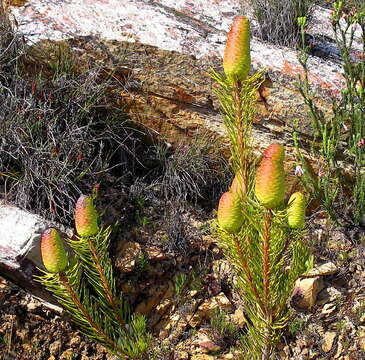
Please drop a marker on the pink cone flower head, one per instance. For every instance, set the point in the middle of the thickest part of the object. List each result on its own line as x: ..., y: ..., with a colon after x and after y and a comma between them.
x: 230, y: 216
x: 237, y: 59
x: 237, y: 185
x: 86, y: 217
x: 270, y: 177
x: 296, y: 210
x: 53, y: 253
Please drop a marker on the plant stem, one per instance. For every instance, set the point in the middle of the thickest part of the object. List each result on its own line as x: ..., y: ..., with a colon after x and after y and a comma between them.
x: 109, y: 294
x: 75, y: 298
x: 266, y: 285
x: 241, y: 138
x: 247, y: 272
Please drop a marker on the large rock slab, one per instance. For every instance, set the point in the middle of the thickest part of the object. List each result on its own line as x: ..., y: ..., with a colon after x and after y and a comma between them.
x: 19, y: 247
x: 174, y: 44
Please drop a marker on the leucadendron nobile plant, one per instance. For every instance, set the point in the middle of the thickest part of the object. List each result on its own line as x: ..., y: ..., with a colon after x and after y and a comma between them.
x: 84, y: 284
x: 259, y: 231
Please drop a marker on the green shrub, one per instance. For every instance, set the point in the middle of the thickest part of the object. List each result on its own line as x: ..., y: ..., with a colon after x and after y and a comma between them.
x: 338, y: 141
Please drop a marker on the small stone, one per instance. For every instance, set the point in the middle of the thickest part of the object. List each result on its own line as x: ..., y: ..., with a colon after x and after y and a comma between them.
x: 55, y: 347
x: 33, y: 304
x: 328, y: 309
x: 75, y: 341
x: 362, y: 342
x: 223, y: 302
x: 193, y: 293
x: 128, y: 256
x: 154, y: 253
x: 306, y: 291
x: 326, y: 269
x: 182, y: 355
x: 228, y: 356
x: 238, y: 318
x: 328, y: 340
x: 209, y: 346
x: 67, y: 355
x: 340, y: 347
x: 202, y: 357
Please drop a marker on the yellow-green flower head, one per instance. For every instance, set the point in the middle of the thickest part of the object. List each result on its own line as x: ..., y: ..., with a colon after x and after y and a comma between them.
x: 237, y: 59
x: 53, y: 253
x: 296, y: 210
x: 86, y: 217
x: 237, y: 185
x: 230, y: 216
x: 270, y: 177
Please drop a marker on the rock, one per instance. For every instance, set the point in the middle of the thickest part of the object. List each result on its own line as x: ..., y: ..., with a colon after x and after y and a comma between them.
x: 328, y: 268
x: 182, y: 355
x: 206, y: 310
x: 238, y: 318
x: 19, y: 247
x: 306, y: 291
x: 55, y: 347
x: 328, y: 309
x: 228, y: 356
x: 128, y: 255
x: 75, y: 341
x: 209, y: 347
x: 67, y: 355
x: 202, y: 357
x: 340, y: 347
x: 156, y: 294
x: 154, y: 253
x: 173, y: 327
x: 168, y: 65
x: 328, y: 340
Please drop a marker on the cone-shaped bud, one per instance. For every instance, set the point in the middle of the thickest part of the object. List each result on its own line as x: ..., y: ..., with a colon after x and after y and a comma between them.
x: 237, y: 60
x: 53, y: 253
x: 230, y: 216
x: 237, y: 185
x: 296, y: 210
x: 270, y: 177
x: 86, y: 217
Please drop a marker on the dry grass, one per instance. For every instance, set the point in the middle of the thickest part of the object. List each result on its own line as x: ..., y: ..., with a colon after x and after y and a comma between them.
x: 277, y: 19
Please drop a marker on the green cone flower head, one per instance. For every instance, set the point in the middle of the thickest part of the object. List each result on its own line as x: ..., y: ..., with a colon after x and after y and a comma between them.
x: 237, y: 59
x: 296, y: 210
x: 270, y: 177
x: 53, y: 253
x: 230, y: 216
x: 86, y: 217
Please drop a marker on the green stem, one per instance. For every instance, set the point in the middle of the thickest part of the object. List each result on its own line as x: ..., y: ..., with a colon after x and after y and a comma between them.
x: 108, y: 292
x: 99, y: 331
x: 241, y: 139
x: 266, y: 286
x: 247, y: 272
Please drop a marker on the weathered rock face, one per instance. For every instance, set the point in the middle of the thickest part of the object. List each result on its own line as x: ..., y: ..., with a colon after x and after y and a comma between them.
x: 19, y: 247
x: 172, y: 46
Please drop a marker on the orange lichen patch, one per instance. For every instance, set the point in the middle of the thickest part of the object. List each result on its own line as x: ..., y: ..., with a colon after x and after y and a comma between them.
x: 182, y: 95
x: 291, y: 69
x: 15, y: 2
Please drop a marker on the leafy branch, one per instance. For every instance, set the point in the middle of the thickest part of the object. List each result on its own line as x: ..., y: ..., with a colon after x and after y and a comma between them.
x: 259, y: 234
x: 85, y: 285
